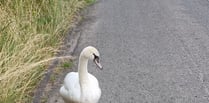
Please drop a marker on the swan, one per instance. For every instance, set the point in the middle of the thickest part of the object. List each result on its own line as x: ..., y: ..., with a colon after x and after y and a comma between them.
x: 81, y: 86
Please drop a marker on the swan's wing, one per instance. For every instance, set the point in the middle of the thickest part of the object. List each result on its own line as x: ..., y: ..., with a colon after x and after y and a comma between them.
x: 71, y: 88
x: 93, y: 80
x: 94, y: 89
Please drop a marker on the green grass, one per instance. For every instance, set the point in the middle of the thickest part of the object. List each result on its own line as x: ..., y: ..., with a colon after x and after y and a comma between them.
x: 30, y: 33
x: 90, y: 1
x: 66, y: 65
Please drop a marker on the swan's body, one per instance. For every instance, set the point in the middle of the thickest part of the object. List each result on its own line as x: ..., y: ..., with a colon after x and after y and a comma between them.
x: 71, y: 90
x: 81, y: 86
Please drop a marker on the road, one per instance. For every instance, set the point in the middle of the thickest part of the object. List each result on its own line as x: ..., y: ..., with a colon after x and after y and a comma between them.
x: 152, y: 51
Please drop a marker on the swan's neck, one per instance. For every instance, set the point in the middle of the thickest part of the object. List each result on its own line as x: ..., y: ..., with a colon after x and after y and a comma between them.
x: 83, y: 71
x: 83, y: 76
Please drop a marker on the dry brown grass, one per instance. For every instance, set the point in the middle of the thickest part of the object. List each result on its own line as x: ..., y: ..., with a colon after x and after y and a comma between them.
x: 30, y: 33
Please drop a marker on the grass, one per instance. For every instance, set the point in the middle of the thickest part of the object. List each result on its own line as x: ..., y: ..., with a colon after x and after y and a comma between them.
x: 30, y: 33
x: 66, y: 65
x: 90, y: 1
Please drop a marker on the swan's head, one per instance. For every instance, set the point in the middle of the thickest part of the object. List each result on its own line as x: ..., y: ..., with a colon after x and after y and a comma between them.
x: 93, y: 54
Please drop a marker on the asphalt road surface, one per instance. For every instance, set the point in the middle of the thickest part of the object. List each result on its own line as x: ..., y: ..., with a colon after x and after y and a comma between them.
x: 152, y: 51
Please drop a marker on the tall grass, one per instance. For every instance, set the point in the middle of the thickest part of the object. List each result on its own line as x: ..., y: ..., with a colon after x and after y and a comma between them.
x: 30, y: 32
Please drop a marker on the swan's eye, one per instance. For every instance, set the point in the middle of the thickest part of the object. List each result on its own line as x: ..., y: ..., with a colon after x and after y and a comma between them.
x: 96, y: 57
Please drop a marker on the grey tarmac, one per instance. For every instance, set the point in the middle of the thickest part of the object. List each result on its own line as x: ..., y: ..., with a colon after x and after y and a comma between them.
x: 152, y: 51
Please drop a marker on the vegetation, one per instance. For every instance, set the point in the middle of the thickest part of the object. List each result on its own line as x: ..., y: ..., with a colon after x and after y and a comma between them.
x: 30, y: 33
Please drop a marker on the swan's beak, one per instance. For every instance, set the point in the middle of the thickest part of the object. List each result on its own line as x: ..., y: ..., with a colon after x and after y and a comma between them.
x: 96, y: 61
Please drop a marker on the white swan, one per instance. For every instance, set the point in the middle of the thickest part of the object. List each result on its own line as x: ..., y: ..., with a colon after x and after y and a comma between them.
x: 81, y: 86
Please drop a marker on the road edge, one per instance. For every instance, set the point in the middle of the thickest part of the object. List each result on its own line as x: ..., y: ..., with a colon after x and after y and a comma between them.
x: 70, y: 42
